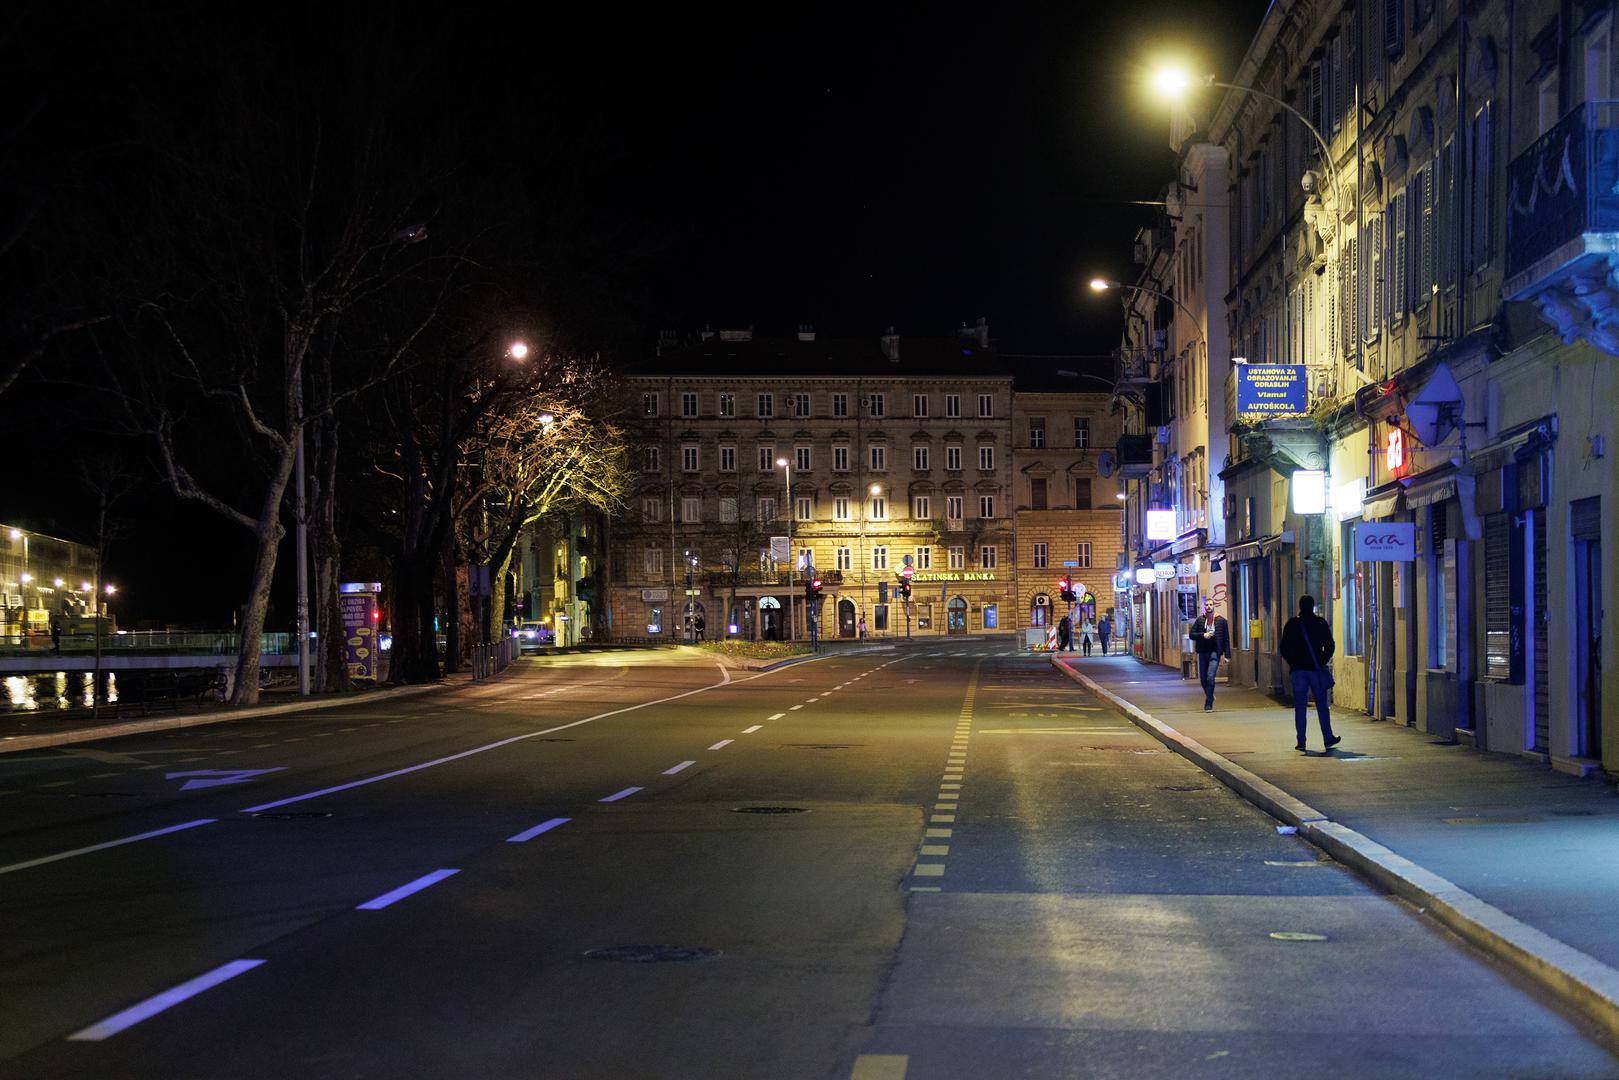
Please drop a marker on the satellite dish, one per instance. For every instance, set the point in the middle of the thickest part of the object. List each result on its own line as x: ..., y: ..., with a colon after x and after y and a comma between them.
x: 1433, y: 414
x: 1106, y: 464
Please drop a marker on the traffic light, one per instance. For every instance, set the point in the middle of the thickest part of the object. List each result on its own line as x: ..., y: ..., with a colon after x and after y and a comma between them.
x: 905, y: 590
x: 1065, y: 589
x: 812, y: 589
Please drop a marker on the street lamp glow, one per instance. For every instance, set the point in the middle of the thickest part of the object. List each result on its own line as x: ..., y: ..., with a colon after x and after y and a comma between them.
x: 1171, y: 82
x: 781, y: 463
x: 546, y: 419
x: 876, y: 489
x: 518, y: 350
x: 110, y: 589
x: 85, y: 586
x: 1100, y: 284
x: 16, y: 534
x: 27, y: 577
x: 58, y: 582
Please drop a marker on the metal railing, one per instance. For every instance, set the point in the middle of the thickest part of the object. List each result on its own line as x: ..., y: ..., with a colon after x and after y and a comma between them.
x: 200, y: 642
x: 491, y: 659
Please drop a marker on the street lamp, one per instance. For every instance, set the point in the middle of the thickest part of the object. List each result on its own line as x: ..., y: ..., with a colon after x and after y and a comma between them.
x: 874, y: 491
x: 1173, y: 83
x: 792, y: 514
x: 518, y: 350
x: 1104, y: 284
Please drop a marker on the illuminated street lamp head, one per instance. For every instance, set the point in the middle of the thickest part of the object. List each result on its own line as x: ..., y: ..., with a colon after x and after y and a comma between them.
x: 1171, y: 82
x: 1102, y: 284
x: 876, y: 489
x: 110, y: 589
x: 781, y: 463
x: 58, y: 582
x: 26, y: 578
x: 85, y: 586
x: 518, y: 351
x: 16, y: 534
x: 546, y: 419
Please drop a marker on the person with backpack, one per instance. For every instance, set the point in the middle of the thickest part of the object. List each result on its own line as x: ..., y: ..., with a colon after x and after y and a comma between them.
x: 1307, y: 646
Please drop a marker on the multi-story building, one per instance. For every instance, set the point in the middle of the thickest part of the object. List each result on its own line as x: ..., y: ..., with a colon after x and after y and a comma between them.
x: 45, y: 581
x: 898, y: 452
x: 1066, y: 514
x: 1419, y: 274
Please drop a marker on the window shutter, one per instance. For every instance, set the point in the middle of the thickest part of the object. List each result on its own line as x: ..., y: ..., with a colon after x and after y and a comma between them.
x: 1497, y: 596
x: 1316, y: 103
x: 1426, y: 280
x: 1336, y: 112
x: 1393, y: 27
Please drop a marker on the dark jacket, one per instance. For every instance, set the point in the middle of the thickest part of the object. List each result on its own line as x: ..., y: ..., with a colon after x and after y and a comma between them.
x: 1220, y: 644
x: 1296, y: 646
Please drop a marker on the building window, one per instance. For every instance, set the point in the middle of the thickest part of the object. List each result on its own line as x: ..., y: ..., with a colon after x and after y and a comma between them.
x: 801, y: 405
x: 924, y: 558
x: 952, y: 509
x: 840, y: 508
x: 1037, y: 433
x: 879, y: 558
x: 952, y: 405
x: 649, y: 404
x: 767, y: 458
x: 875, y: 405
x: 1598, y: 75
x: 766, y: 405
x: 1037, y: 494
x: 651, y: 509
x: 1040, y: 557
x: 958, y: 558
x: 1082, y: 493
x: 653, y: 561
x: 919, y: 458
x: 649, y: 459
x: 806, y: 559
x: 840, y: 404
x: 986, y: 405
x: 879, y: 508
x: 688, y: 405
x: 879, y: 459
x: 727, y: 459
x: 920, y: 507
x: 919, y: 404
x: 802, y: 458
x: 729, y: 510
x: 845, y: 559
x: 1083, y: 555
x: 986, y: 506
x: 691, y: 508
x: 988, y: 556
x: 688, y: 459
x: 767, y: 508
x: 986, y: 458
x: 727, y: 403
x: 1082, y: 433
x: 840, y: 459
x: 952, y: 458
x: 805, y: 508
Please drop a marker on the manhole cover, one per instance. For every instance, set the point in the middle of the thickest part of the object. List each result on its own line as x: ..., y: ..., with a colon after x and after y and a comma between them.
x: 1489, y: 820
x: 296, y: 815
x: 769, y: 810
x: 651, y: 954
x: 1296, y: 935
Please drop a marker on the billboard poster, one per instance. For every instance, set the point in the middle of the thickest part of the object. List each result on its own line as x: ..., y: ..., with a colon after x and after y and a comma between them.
x: 1272, y: 389
x: 1385, y: 541
x: 359, y: 633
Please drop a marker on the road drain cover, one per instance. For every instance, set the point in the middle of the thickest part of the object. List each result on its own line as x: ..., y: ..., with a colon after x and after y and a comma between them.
x: 1296, y: 935
x: 651, y: 954
x: 296, y: 815
x: 769, y: 810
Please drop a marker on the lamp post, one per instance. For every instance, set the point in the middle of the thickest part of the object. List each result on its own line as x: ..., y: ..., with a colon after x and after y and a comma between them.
x: 792, y: 556
x: 873, y: 491
x: 1173, y: 83
x: 1103, y: 285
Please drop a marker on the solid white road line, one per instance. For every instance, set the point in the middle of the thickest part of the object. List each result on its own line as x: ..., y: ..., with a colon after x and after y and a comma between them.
x: 722, y: 744
x: 617, y: 795
x: 169, y: 998
x: 405, y: 890
x: 756, y: 727
x: 677, y: 768
x: 478, y: 749
x: 103, y: 846
x: 542, y: 827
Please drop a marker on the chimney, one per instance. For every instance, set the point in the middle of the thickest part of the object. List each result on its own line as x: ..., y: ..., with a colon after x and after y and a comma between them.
x: 983, y: 332
x: 806, y: 332
x: 891, y: 345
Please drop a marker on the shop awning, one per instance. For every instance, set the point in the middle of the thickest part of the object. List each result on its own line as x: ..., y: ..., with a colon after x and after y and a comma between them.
x: 1193, y: 541
x: 1381, y: 506
x: 1428, y: 494
x: 1253, y: 549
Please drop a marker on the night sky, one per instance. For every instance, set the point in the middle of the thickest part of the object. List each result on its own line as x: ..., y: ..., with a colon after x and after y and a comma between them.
x: 849, y: 168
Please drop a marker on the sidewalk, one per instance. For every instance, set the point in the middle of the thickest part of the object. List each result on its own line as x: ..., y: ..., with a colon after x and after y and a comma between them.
x: 1538, y: 851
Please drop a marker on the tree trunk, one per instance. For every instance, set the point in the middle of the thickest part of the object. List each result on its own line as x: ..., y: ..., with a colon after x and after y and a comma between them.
x: 269, y: 534
x: 331, y: 670
x: 415, y: 644
x: 454, y: 590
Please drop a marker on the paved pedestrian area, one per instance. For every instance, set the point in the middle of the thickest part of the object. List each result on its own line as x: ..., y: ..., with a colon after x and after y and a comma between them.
x: 1539, y: 845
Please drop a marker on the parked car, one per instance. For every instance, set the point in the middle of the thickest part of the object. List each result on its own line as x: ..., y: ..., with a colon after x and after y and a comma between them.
x: 532, y: 636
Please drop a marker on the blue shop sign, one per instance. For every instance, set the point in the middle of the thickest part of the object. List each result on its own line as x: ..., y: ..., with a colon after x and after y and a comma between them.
x: 1272, y: 389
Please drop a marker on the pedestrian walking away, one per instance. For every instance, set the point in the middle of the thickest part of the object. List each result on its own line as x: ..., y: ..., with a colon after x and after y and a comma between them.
x: 1211, y: 640
x: 1307, y: 646
x: 1104, y: 630
x: 1065, y: 635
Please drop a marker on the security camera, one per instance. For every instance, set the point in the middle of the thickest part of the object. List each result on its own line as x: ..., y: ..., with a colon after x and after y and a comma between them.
x: 1309, y: 181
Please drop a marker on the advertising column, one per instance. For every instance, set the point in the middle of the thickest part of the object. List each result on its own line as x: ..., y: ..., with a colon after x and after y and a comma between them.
x: 357, y: 607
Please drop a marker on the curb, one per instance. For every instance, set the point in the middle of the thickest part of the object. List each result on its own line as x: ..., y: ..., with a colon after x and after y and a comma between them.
x: 217, y: 716
x: 1576, y: 980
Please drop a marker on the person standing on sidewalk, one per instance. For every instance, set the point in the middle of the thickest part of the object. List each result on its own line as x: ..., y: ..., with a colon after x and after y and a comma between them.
x: 1104, y: 630
x: 1085, y: 631
x: 1065, y: 635
x: 1211, y: 638
x: 1307, y: 646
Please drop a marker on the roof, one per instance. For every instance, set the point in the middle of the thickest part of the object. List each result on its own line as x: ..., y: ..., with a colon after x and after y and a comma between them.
x: 825, y: 358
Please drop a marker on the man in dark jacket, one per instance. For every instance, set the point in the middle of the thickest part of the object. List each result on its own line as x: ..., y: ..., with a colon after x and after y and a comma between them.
x: 1211, y: 637
x: 1307, y: 646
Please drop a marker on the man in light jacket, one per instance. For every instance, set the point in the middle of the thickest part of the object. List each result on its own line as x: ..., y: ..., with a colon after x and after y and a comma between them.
x: 1211, y: 638
x: 1307, y: 646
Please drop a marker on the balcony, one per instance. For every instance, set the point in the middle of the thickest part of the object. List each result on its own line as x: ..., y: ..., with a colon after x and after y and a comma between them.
x: 1135, y: 456
x: 1137, y: 368
x: 1563, y: 203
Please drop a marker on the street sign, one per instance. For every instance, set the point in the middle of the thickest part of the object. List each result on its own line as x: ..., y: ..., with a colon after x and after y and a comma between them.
x: 906, y: 571
x: 1073, y: 563
x: 1272, y: 389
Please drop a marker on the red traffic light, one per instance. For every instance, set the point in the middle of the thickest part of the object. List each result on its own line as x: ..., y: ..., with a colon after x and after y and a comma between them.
x: 816, y: 584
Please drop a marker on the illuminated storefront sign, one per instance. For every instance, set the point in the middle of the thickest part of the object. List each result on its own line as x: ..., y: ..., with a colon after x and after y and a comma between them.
x: 1395, y: 457
x: 971, y: 576
x: 1385, y: 541
x: 1272, y: 389
x: 1309, y: 491
x: 1160, y: 524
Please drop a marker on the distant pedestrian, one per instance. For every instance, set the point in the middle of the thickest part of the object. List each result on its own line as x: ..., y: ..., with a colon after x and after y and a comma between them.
x: 1065, y: 635
x: 56, y: 637
x: 702, y: 625
x: 1104, y: 630
x: 1307, y: 646
x: 1085, y: 632
x: 1211, y: 639
x: 862, y: 628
